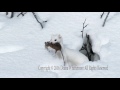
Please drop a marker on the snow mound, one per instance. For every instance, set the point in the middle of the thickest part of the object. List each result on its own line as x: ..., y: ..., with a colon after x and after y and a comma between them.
x: 98, y: 41
x: 6, y: 49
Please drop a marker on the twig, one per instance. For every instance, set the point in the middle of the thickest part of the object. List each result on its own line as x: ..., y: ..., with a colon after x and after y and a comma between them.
x: 42, y: 23
x: 84, y: 26
x: 102, y: 15
x: 12, y: 14
x: 6, y: 13
x: 22, y: 13
x: 37, y: 19
x: 106, y: 19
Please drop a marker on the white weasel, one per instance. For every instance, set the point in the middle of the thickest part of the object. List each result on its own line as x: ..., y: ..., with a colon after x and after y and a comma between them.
x: 56, y: 38
x: 71, y: 56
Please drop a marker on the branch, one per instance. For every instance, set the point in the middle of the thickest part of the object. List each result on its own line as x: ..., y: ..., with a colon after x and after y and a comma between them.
x: 37, y: 19
x: 84, y: 26
x: 106, y: 19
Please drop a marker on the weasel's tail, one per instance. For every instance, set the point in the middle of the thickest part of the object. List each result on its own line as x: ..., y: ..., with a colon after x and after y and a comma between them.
x: 63, y: 57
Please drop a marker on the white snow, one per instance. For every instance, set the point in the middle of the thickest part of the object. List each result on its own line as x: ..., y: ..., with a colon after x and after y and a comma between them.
x: 5, y: 49
x: 75, y: 57
x: 22, y: 50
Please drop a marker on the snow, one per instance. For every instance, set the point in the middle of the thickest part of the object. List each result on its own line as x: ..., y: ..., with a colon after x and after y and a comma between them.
x: 22, y: 50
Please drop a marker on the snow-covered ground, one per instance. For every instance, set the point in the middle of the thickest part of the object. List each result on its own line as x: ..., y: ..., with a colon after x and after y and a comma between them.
x: 23, y: 54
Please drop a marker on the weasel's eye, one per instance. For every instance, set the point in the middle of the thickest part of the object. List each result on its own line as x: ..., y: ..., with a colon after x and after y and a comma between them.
x: 55, y: 40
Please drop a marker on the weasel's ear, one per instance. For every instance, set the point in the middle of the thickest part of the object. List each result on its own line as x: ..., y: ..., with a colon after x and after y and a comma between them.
x: 59, y: 36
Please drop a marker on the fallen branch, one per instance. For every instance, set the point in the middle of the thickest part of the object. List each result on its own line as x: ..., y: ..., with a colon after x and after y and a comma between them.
x: 84, y: 26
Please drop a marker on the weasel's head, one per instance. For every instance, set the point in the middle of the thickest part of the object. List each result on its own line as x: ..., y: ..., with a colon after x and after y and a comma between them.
x: 56, y: 38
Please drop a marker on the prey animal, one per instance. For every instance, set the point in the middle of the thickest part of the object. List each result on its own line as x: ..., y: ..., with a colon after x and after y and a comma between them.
x: 55, y: 46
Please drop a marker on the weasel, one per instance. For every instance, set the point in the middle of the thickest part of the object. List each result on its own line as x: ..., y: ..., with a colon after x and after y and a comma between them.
x: 55, y: 46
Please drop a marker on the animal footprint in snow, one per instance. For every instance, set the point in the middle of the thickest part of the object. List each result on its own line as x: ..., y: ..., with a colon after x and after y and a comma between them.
x: 6, y: 49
